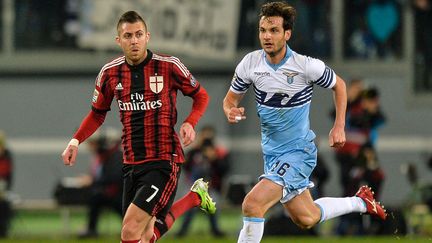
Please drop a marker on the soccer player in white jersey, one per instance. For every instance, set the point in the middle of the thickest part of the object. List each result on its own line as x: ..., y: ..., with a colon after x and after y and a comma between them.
x: 283, y: 82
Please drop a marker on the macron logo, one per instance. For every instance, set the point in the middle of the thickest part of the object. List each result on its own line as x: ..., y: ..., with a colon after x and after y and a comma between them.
x: 119, y: 87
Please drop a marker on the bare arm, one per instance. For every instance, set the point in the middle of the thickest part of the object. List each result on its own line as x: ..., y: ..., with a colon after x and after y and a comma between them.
x: 337, y: 133
x: 230, y: 106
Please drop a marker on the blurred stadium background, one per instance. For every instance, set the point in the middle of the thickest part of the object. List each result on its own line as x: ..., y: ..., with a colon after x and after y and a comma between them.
x: 51, y: 52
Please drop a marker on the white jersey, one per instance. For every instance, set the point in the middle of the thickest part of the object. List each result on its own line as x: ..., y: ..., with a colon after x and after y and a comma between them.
x: 283, y: 93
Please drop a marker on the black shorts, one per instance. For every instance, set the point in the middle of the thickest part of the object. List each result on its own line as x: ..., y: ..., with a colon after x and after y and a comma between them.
x: 151, y: 186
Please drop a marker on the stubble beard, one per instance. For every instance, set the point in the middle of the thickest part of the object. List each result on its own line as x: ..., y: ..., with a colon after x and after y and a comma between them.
x: 136, y: 58
x: 275, y: 52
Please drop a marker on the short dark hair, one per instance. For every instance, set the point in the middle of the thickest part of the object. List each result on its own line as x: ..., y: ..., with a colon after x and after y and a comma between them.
x: 280, y: 9
x: 371, y: 93
x: 131, y: 17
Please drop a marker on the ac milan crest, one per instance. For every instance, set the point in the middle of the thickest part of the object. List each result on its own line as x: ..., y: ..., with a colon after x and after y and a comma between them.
x: 156, y: 84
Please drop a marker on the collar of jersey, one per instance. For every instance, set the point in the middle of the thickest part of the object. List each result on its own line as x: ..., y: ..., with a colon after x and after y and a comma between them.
x: 288, y: 54
x: 143, y: 63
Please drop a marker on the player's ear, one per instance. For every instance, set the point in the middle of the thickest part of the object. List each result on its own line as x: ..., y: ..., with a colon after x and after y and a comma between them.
x: 147, y: 36
x: 117, y: 39
x: 287, y: 35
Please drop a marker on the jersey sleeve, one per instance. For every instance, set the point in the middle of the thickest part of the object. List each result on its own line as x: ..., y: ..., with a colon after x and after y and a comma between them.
x: 319, y: 73
x: 185, y: 81
x: 102, y: 94
x: 241, y: 82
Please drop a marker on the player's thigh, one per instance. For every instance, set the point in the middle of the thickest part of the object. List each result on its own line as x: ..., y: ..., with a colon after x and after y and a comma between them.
x: 128, y: 187
x: 149, y: 230
x: 292, y: 169
x: 156, y: 187
x: 302, y: 206
x: 262, y: 196
x: 136, y: 217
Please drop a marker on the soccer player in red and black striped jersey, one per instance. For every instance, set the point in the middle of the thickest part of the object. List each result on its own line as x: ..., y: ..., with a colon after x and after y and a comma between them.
x: 145, y: 86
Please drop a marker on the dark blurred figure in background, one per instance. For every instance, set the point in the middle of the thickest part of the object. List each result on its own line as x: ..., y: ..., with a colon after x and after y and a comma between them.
x: 357, y: 159
x: 428, y: 194
x: 369, y: 170
x: 423, y: 40
x: 364, y: 118
x: 105, y: 180
x: 6, y: 167
x: 369, y: 117
x: 211, y: 162
x: 418, y: 202
x: 345, y: 156
x: 372, y: 29
x: 319, y: 177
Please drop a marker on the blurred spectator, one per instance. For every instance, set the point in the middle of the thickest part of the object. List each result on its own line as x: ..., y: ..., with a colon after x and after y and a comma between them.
x: 428, y: 194
x: 39, y: 24
x: 429, y: 162
x: 6, y: 167
x: 365, y: 171
x: 211, y: 162
x: 357, y: 160
x: 346, y: 155
x: 72, y: 23
x: 105, y: 180
x: 418, y: 203
x: 247, y: 30
x: 312, y: 34
x: 423, y: 44
x: 319, y: 177
x: 364, y: 118
x: 368, y: 117
x: 383, y: 19
x: 372, y: 29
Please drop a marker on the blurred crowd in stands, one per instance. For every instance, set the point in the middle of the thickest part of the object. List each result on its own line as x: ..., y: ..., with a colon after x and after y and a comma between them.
x: 55, y: 24
x: 372, y: 30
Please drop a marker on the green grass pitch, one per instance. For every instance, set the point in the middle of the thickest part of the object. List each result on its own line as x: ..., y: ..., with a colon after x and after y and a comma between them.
x: 51, y: 226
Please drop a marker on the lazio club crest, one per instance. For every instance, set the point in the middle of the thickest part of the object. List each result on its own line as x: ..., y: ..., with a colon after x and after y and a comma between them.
x: 156, y: 83
x: 290, y: 76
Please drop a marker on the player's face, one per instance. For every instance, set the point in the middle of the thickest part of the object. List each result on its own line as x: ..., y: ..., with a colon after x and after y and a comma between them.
x: 272, y: 36
x: 133, y: 39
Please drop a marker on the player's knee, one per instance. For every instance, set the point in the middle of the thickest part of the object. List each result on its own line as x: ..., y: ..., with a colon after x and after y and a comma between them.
x: 306, y: 221
x: 251, y: 207
x: 131, y: 229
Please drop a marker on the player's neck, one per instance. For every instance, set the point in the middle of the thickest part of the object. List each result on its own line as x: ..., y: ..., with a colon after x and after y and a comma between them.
x: 276, y: 58
x: 137, y: 62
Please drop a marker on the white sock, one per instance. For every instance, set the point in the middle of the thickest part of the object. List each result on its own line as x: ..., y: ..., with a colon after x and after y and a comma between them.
x: 252, y: 231
x: 332, y: 207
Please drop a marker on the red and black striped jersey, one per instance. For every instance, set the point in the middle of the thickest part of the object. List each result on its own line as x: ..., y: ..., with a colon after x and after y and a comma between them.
x: 146, y: 96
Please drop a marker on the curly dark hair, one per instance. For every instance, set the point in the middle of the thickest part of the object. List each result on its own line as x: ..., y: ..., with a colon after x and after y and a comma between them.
x: 280, y: 9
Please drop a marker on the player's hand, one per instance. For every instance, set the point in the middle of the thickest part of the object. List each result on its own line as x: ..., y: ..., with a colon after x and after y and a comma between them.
x: 236, y: 114
x: 337, y: 137
x: 70, y: 153
x: 187, y: 134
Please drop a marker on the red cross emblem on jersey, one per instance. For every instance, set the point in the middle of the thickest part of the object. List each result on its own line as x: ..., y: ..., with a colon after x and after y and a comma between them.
x: 156, y: 84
